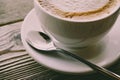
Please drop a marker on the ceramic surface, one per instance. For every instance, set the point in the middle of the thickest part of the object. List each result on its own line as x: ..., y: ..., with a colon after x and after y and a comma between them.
x: 103, y: 54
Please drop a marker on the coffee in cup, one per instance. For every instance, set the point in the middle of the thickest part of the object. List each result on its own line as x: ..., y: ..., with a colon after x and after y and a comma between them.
x: 79, y: 10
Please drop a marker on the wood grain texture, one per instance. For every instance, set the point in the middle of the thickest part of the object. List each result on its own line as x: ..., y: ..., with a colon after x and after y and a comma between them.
x: 14, y: 10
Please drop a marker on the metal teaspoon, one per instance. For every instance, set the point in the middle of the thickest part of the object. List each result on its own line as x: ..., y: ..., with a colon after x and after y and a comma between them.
x: 34, y: 37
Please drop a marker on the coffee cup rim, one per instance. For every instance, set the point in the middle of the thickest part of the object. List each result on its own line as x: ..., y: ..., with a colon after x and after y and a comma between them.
x: 71, y: 20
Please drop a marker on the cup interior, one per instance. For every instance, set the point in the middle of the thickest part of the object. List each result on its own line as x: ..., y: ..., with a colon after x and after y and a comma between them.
x: 117, y: 7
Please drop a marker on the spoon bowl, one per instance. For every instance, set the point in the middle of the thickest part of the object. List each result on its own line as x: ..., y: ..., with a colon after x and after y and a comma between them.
x: 36, y: 39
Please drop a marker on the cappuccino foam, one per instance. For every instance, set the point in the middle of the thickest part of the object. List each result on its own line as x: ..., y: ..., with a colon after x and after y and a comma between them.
x: 79, y: 9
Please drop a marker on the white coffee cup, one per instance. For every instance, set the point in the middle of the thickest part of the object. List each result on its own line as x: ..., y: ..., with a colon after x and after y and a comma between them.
x: 69, y: 34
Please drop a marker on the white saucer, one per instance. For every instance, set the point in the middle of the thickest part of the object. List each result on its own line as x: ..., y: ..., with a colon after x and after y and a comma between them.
x: 107, y: 53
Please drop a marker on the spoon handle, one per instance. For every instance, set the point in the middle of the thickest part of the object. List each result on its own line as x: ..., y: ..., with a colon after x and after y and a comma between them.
x: 93, y: 66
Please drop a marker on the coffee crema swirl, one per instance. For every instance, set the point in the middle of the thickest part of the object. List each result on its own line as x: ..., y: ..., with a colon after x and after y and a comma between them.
x: 78, y: 9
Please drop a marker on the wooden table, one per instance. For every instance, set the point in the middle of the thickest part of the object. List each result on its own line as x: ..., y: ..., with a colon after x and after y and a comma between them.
x: 17, y: 64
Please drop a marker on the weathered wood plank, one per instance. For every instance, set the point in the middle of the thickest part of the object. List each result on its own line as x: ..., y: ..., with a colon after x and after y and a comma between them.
x: 14, y: 10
